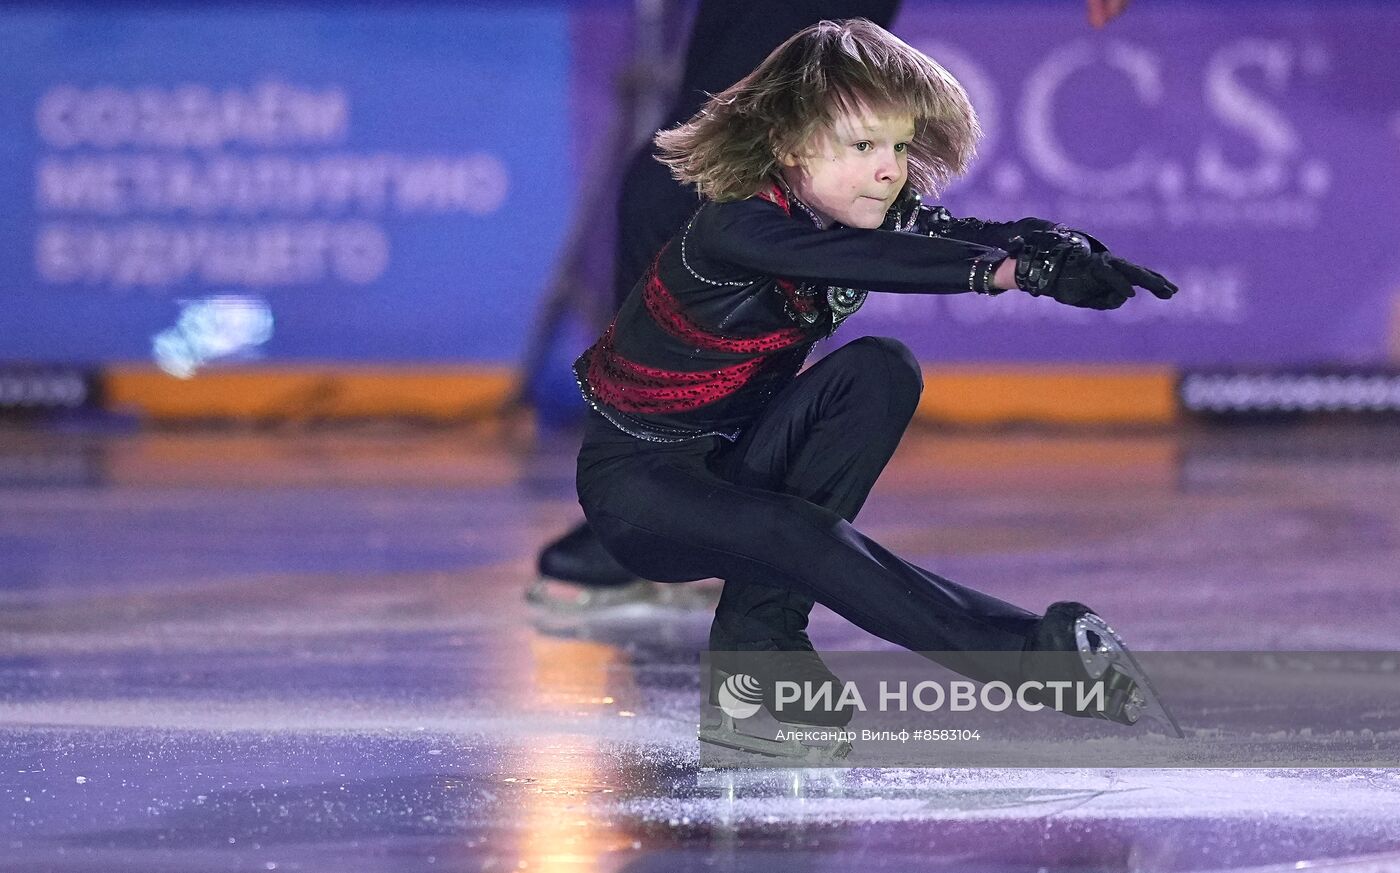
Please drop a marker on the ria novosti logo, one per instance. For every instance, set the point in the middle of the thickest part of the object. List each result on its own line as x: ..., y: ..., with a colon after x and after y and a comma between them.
x: 739, y: 696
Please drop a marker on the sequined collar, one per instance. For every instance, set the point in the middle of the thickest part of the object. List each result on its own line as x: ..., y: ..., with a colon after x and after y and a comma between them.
x: 778, y: 192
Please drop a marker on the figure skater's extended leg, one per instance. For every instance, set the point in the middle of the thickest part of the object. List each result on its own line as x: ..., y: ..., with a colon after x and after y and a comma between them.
x: 818, y: 449
x: 671, y: 516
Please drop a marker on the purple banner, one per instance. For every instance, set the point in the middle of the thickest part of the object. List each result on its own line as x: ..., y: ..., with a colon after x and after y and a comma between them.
x: 1249, y: 152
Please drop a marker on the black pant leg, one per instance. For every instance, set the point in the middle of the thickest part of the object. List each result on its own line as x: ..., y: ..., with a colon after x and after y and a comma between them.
x: 670, y: 518
x: 825, y: 438
x: 682, y: 512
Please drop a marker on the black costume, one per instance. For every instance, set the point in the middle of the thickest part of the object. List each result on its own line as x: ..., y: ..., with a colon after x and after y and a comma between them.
x: 730, y: 309
x: 705, y: 448
x: 708, y: 455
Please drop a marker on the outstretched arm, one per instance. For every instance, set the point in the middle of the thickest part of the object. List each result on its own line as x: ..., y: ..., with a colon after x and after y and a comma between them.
x: 937, y: 221
x: 1051, y: 259
x: 747, y: 238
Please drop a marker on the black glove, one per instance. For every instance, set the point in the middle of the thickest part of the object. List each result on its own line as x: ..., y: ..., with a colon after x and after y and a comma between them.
x: 1076, y: 269
x: 1142, y: 277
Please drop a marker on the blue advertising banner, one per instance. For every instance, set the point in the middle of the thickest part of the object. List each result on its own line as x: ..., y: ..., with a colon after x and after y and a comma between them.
x: 280, y: 182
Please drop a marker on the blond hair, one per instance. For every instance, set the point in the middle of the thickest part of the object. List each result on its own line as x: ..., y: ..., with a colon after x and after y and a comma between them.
x: 731, y: 146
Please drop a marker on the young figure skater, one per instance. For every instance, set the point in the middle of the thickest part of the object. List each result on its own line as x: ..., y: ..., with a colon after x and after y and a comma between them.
x: 578, y: 579
x: 707, y: 454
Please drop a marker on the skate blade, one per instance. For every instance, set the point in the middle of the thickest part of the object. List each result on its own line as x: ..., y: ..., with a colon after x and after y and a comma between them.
x: 727, y: 735
x: 689, y: 596
x: 1112, y: 653
x: 566, y: 599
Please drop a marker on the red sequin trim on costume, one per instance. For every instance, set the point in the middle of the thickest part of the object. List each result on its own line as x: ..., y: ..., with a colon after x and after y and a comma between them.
x: 799, y: 304
x: 774, y: 194
x: 631, y: 387
x: 628, y: 386
x: 667, y: 311
x: 796, y: 301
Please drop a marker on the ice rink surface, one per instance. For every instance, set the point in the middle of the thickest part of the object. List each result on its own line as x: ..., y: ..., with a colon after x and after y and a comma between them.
x: 307, y: 650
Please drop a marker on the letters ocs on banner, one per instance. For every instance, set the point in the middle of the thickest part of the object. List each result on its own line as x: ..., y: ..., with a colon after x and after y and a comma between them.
x: 1244, y: 165
x: 1244, y: 89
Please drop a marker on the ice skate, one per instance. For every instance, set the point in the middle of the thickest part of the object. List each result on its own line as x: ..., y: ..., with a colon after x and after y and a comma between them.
x: 578, y: 577
x: 758, y: 639
x: 807, y: 734
x: 579, y: 580
x: 575, y: 598
x: 1072, y: 643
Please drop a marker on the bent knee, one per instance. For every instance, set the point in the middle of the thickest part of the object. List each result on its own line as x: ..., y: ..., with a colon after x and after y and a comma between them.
x: 902, y: 374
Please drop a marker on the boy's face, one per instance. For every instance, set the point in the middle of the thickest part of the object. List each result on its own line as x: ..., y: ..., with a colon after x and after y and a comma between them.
x: 852, y: 170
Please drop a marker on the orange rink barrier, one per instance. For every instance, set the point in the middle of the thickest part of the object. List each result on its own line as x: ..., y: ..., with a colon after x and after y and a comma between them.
x: 310, y: 392
x: 1049, y: 394
x: 963, y: 395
